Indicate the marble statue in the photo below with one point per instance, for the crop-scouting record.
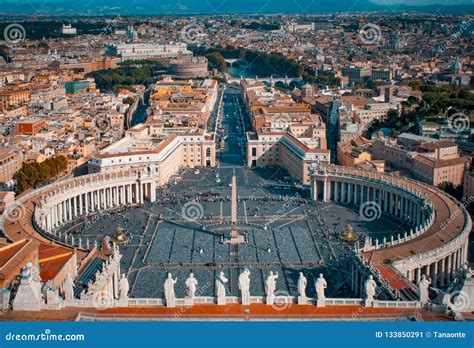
(302, 282)
(424, 285)
(220, 288)
(106, 245)
(320, 285)
(370, 287)
(170, 295)
(29, 296)
(270, 287)
(244, 286)
(124, 287)
(68, 287)
(191, 286)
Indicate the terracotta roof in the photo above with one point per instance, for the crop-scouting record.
(10, 250)
(236, 311)
(395, 281)
(51, 266)
(437, 145)
(439, 163)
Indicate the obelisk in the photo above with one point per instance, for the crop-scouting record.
(234, 235)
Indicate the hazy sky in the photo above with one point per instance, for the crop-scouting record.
(126, 7)
(382, 2)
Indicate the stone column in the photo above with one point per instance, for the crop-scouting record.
(86, 201)
(410, 211)
(402, 207)
(69, 209)
(61, 216)
(459, 263)
(136, 193)
(102, 199)
(116, 196)
(56, 215)
(349, 195)
(453, 265)
(314, 185)
(48, 221)
(80, 204)
(153, 192)
(53, 217)
(343, 192)
(435, 275)
(325, 190)
(463, 254)
(74, 206)
(418, 215)
(448, 270)
(397, 205)
(92, 199)
(443, 272)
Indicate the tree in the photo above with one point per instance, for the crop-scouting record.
(34, 175)
(455, 191)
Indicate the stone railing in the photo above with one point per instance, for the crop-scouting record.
(279, 301)
(446, 249)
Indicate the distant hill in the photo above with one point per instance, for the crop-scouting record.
(186, 7)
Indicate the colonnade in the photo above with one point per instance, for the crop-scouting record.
(441, 271)
(392, 201)
(91, 194)
(406, 200)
